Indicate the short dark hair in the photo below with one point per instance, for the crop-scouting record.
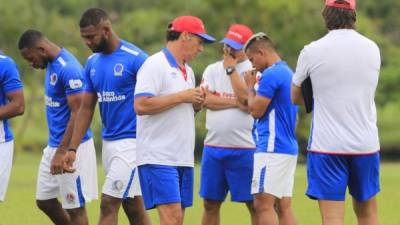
(29, 39)
(172, 35)
(257, 42)
(93, 16)
(339, 18)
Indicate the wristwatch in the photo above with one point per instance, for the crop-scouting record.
(229, 70)
(72, 150)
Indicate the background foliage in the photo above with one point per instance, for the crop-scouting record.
(291, 23)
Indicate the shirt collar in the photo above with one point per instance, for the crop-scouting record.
(170, 58)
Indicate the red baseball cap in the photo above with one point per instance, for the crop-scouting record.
(237, 36)
(192, 25)
(334, 3)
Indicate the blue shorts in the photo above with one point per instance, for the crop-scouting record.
(224, 170)
(329, 175)
(166, 184)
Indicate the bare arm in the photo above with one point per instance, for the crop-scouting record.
(217, 103)
(257, 105)
(156, 104)
(15, 106)
(83, 119)
(297, 95)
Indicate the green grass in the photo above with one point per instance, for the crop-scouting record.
(19, 207)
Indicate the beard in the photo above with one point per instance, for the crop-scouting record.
(101, 46)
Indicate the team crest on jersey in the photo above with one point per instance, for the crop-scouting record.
(174, 74)
(117, 185)
(118, 69)
(53, 79)
(70, 198)
(92, 72)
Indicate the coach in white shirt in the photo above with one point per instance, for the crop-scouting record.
(343, 148)
(166, 100)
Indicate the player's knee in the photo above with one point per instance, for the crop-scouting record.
(261, 206)
(284, 207)
(211, 206)
(108, 206)
(44, 205)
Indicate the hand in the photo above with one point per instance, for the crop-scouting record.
(229, 57)
(242, 107)
(68, 163)
(193, 95)
(56, 166)
(250, 78)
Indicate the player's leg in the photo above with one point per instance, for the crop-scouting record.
(265, 209)
(211, 214)
(121, 179)
(134, 209)
(239, 171)
(47, 191)
(213, 184)
(284, 205)
(327, 182)
(364, 186)
(169, 189)
(285, 211)
(6, 157)
(79, 188)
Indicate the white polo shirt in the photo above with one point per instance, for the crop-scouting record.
(344, 69)
(229, 128)
(165, 138)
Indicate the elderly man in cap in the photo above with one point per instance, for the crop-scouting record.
(343, 149)
(166, 100)
(227, 163)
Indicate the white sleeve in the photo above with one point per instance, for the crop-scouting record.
(208, 81)
(149, 81)
(302, 68)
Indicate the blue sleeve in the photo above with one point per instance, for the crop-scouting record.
(138, 62)
(269, 83)
(9, 76)
(72, 76)
(88, 87)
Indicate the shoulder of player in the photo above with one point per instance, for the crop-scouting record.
(131, 49)
(213, 67)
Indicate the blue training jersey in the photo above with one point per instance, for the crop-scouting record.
(275, 130)
(9, 82)
(64, 77)
(113, 78)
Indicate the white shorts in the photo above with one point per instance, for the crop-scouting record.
(119, 161)
(74, 189)
(273, 173)
(6, 158)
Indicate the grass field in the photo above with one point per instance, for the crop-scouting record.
(20, 209)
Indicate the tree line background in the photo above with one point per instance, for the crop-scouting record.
(291, 24)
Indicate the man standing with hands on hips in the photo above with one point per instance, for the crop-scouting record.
(166, 100)
(343, 148)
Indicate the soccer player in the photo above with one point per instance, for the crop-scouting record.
(227, 163)
(63, 96)
(343, 149)
(110, 74)
(11, 105)
(166, 100)
(276, 154)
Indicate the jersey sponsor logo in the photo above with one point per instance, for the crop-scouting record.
(118, 69)
(50, 103)
(53, 79)
(109, 96)
(74, 84)
(92, 72)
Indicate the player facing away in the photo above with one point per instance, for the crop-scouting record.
(11, 105)
(166, 100)
(110, 76)
(227, 163)
(343, 149)
(63, 96)
(276, 154)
